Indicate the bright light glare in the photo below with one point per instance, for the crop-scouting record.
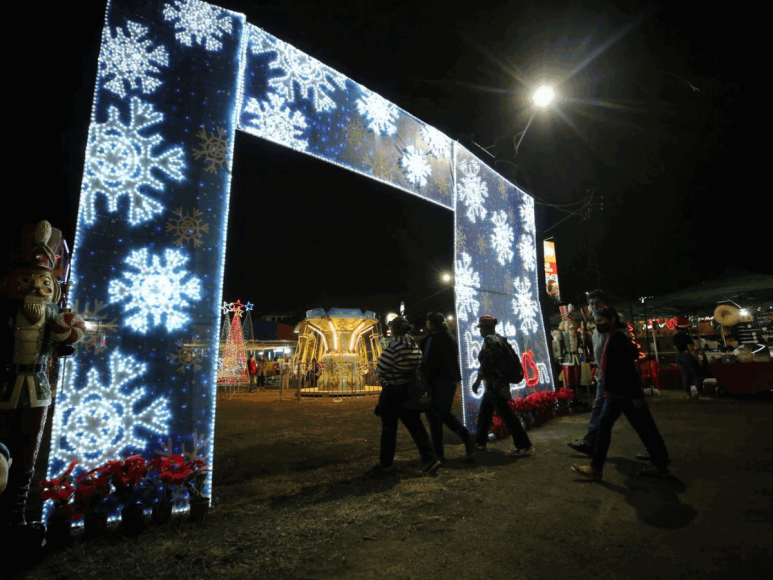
(446, 277)
(543, 96)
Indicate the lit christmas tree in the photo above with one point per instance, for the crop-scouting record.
(233, 361)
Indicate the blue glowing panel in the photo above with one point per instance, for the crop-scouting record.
(293, 99)
(150, 242)
(496, 273)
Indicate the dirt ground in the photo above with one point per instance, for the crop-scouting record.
(292, 500)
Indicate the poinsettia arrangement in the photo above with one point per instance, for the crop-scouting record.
(126, 477)
(91, 492)
(565, 394)
(60, 490)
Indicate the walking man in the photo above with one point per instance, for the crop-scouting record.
(441, 371)
(497, 393)
(396, 367)
(597, 299)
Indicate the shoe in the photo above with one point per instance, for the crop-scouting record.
(581, 447)
(480, 447)
(379, 469)
(588, 471)
(469, 445)
(655, 472)
(521, 452)
(643, 456)
(431, 467)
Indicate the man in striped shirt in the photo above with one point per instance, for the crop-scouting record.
(396, 367)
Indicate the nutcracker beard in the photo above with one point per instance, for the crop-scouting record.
(33, 309)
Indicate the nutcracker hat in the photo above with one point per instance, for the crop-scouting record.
(487, 320)
(567, 311)
(41, 247)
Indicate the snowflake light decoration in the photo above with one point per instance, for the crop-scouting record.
(415, 164)
(438, 144)
(213, 148)
(528, 251)
(383, 165)
(502, 237)
(380, 113)
(120, 160)
(473, 191)
(274, 121)
(153, 291)
(187, 227)
(130, 60)
(198, 22)
(313, 77)
(467, 283)
(527, 214)
(98, 422)
(524, 306)
(185, 357)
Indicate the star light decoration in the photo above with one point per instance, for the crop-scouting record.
(98, 422)
(473, 191)
(467, 282)
(130, 60)
(380, 113)
(274, 121)
(502, 238)
(198, 22)
(120, 161)
(312, 77)
(525, 306)
(155, 294)
(415, 164)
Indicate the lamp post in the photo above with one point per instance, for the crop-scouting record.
(542, 97)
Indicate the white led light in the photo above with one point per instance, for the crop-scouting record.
(416, 167)
(312, 76)
(273, 120)
(527, 214)
(154, 291)
(119, 161)
(98, 422)
(467, 282)
(502, 238)
(380, 113)
(525, 306)
(198, 22)
(128, 60)
(472, 190)
(527, 249)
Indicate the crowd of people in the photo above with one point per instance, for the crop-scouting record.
(406, 366)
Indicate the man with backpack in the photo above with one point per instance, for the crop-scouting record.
(499, 366)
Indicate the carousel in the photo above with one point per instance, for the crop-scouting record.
(337, 352)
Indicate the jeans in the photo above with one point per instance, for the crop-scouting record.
(252, 381)
(593, 425)
(691, 371)
(390, 408)
(443, 392)
(494, 402)
(642, 422)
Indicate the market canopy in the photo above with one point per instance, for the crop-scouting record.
(735, 285)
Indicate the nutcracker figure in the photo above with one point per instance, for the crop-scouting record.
(33, 326)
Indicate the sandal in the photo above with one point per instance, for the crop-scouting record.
(588, 471)
(521, 452)
(655, 472)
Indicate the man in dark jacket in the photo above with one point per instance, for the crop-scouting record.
(441, 371)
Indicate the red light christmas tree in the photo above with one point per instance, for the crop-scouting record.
(233, 362)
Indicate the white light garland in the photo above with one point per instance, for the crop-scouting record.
(127, 59)
(197, 22)
(416, 167)
(502, 238)
(472, 190)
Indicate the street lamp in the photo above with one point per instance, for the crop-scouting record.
(446, 277)
(543, 96)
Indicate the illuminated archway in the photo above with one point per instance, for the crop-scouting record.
(176, 80)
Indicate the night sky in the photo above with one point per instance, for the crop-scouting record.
(655, 119)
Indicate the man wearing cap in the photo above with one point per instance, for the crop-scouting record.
(687, 357)
(442, 373)
(497, 393)
(396, 367)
